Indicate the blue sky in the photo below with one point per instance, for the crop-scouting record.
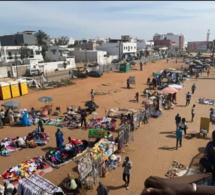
(91, 19)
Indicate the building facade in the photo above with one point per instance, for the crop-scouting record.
(11, 54)
(122, 49)
(176, 40)
(18, 39)
(59, 53)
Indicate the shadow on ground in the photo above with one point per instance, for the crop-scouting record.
(167, 148)
(115, 187)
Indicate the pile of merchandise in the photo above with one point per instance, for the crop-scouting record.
(60, 156)
(24, 169)
(7, 146)
(206, 101)
(104, 123)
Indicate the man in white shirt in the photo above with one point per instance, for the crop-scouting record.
(20, 141)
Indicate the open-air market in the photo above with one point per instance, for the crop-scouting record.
(106, 116)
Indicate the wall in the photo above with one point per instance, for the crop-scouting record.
(3, 72)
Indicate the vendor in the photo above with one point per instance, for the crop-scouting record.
(20, 142)
(9, 188)
(40, 127)
(72, 183)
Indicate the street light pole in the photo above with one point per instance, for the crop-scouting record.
(16, 66)
(212, 63)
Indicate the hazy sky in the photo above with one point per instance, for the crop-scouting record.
(91, 19)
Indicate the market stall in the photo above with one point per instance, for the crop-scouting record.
(104, 123)
(37, 185)
(99, 161)
(26, 168)
(60, 156)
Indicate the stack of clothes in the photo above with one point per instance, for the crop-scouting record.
(7, 146)
(103, 123)
(206, 101)
(60, 156)
(37, 138)
(24, 169)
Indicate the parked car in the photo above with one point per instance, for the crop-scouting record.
(30, 81)
(79, 74)
(33, 72)
(132, 63)
(115, 61)
(94, 73)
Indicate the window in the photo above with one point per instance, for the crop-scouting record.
(0, 54)
(124, 47)
(53, 51)
(37, 52)
(131, 47)
(9, 53)
(128, 48)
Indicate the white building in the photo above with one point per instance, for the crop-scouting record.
(93, 56)
(122, 49)
(58, 53)
(177, 40)
(8, 53)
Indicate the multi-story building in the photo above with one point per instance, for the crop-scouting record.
(59, 53)
(18, 39)
(169, 40)
(13, 53)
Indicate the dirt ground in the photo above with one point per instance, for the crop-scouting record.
(153, 147)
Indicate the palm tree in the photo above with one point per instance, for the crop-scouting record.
(42, 39)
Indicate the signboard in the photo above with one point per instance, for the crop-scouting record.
(97, 133)
(132, 80)
(205, 124)
(198, 46)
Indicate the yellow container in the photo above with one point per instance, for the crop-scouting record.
(5, 91)
(14, 88)
(23, 87)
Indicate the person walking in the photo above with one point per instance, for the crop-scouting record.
(193, 88)
(1, 122)
(176, 60)
(167, 60)
(70, 74)
(2, 113)
(183, 125)
(179, 133)
(128, 84)
(102, 190)
(92, 95)
(188, 98)
(83, 118)
(59, 138)
(137, 97)
(177, 120)
(127, 164)
(148, 80)
(141, 66)
(208, 73)
(193, 112)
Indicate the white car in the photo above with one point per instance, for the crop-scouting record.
(30, 81)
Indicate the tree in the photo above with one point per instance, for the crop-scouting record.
(24, 52)
(42, 39)
(64, 40)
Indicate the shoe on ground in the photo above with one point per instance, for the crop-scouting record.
(127, 187)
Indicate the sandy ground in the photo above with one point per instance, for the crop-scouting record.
(153, 148)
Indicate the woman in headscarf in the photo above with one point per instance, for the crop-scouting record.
(59, 138)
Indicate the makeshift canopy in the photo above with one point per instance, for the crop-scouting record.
(11, 104)
(178, 87)
(45, 99)
(169, 90)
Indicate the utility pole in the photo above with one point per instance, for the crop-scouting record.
(16, 66)
(119, 51)
(212, 63)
